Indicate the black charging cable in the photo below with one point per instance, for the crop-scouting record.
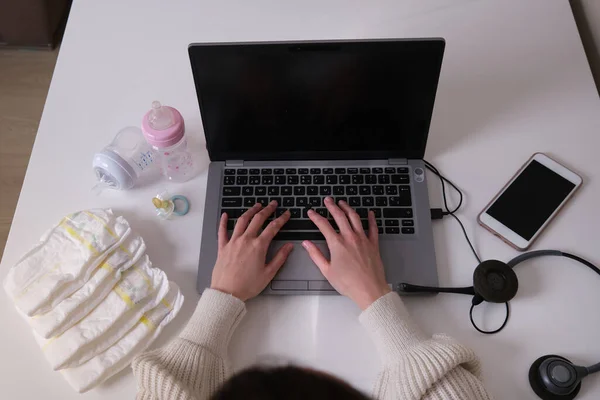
(439, 213)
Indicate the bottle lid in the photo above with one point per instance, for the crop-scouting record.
(162, 126)
(113, 171)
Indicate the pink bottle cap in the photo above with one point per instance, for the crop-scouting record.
(162, 126)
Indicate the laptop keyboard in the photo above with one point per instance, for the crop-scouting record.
(385, 190)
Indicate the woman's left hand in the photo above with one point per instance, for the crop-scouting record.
(241, 268)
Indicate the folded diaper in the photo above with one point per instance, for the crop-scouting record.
(64, 259)
(140, 289)
(136, 340)
(72, 309)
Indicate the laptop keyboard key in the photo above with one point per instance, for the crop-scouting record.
(288, 202)
(299, 225)
(286, 190)
(229, 180)
(231, 191)
(338, 190)
(319, 180)
(242, 171)
(260, 190)
(248, 191)
(381, 201)
(338, 199)
(397, 213)
(315, 171)
(402, 170)
(278, 171)
(267, 180)
(392, 231)
(292, 180)
(364, 190)
(312, 190)
(241, 180)
(377, 212)
(233, 212)
(303, 171)
(255, 171)
(357, 179)
(377, 170)
(371, 179)
(340, 171)
(230, 224)
(328, 170)
(378, 190)
(229, 171)
(322, 212)
(231, 202)
(295, 213)
(263, 201)
(254, 180)
(380, 230)
(408, 222)
(314, 201)
(331, 180)
(301, 201)
(368, 201)
(390, 170)
(362, 212)
(290, 171)
(306, 179)
(383, 179)
(299, 190)
(352, 190)
(273, 191)
(279, 180)
(400, 179)
(353, 170)
(365, 170)
(344, 179)
(391, 190)
(392, 222)
(249, 201)
(408, 231)
(277, 199)
(325, 190)
(354, 201)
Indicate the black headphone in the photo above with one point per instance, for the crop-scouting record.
(551, 377)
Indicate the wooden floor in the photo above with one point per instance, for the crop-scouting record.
(24, 80)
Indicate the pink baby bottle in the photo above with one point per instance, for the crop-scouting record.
(164, 129)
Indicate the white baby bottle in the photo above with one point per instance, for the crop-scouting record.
(120, 164)
(164, 129)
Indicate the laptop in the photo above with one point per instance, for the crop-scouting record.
(299, 121)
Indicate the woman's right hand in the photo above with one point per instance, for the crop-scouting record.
(355, 269)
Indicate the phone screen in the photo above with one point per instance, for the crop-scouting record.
(530, 199)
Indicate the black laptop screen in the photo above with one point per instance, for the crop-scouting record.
(336, 100)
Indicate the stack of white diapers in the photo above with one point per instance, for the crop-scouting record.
(92, 297)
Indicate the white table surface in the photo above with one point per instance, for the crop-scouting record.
(514, 81)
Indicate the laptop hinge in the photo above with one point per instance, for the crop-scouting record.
(234, 163)
(397, 161)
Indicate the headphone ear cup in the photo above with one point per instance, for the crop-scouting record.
(495, 281)
(537, 384)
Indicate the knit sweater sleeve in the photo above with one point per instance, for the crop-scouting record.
(194, 365)
(415, 366)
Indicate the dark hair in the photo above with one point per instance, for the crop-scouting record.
(291, 383)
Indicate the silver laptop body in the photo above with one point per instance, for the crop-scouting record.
(300, 121)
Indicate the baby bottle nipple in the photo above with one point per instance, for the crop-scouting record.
(160, 118)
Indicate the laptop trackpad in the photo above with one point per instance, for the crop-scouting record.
(298, 266)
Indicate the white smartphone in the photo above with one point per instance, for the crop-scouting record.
(529, 201)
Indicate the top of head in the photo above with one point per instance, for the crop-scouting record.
(495, 281)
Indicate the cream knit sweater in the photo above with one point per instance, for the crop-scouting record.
(194, 365)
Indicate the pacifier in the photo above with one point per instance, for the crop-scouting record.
(166, 205)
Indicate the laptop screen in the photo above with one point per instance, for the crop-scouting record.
(322, 100)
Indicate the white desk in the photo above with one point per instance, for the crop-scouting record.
(514, 81)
